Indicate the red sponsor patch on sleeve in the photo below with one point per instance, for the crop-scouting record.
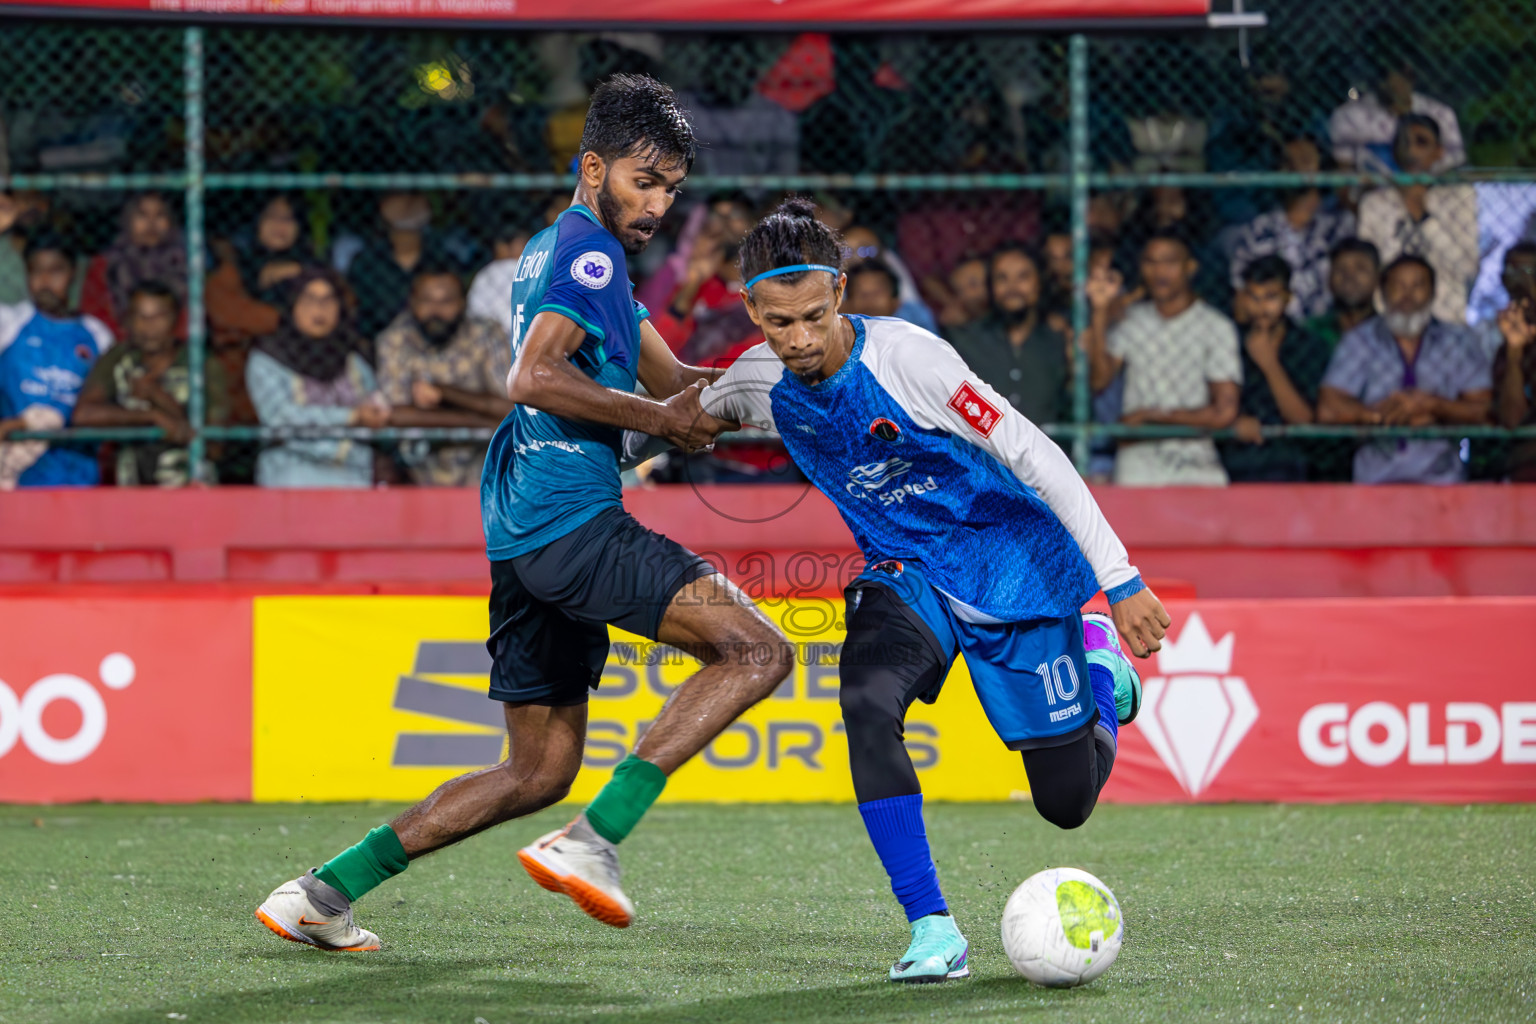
(981, 414)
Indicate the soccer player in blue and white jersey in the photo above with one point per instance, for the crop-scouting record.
(567, 559)
(45, 354)
(980, 539)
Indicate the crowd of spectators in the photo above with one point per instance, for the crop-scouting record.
(1229, 312)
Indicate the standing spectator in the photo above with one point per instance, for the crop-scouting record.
(1407, 368)
(20, 214)
(1514, 367)
(45, 353)
(490, 293)
(967, 297)
(1012, 348)
(863, 244)
(700, 314)
(1354, 274)
(1169, 209)
(1364, 129)
(440, 368)
(1437, 222)
(247, 289)
(1303, 230)
(1181, 367)
(144, 382)
(150, 247)
(311, 373)
(1283, 365)
(380, 275)
(873, 289)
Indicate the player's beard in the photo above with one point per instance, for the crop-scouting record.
(627, 234)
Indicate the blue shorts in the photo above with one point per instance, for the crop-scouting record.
(1031, 677)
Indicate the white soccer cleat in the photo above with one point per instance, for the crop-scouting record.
(586, 871)
(291, 915)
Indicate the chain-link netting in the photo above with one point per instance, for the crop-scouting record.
(1271, 177)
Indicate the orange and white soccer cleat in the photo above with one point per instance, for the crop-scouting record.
(585, 870)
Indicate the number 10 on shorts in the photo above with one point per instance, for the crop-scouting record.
(1058, 686)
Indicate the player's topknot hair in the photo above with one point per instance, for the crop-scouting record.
(632, 115)
(789, 235)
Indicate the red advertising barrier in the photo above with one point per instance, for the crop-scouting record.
(1331, 701)
(624, 12)
(125, 699)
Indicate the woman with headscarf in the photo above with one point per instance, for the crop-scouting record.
(247, 289)
(311, 372)
(149, 247)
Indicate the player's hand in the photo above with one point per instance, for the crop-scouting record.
(1142, 621)
(687, 425)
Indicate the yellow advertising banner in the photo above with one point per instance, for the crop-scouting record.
(382, 698)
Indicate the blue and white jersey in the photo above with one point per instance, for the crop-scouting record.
(927, 463)
(544, 476)
(44, 361)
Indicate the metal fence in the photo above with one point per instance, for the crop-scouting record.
(943, 144)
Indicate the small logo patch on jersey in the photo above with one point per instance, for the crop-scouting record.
(885, 430)
(976, 411)
(592, 270)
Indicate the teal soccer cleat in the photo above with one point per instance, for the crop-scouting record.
(938, 952)
(1101, 644)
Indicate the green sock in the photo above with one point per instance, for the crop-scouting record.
(365, 866)
(618, 808)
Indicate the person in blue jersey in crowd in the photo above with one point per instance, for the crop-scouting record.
(45, 353)
(567, 559)
(980, 538)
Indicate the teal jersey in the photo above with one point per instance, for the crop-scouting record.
(544, 475)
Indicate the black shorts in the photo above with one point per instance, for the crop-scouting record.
(550, 608)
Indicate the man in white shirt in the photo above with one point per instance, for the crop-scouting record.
(1182, 367)
(1437, 222)
(490, 294)
(1363, 129)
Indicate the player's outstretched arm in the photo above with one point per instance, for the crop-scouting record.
(661, 373)
(544, 379)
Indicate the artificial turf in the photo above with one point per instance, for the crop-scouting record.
(775, 913)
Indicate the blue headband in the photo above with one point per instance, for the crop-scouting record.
(793, 268)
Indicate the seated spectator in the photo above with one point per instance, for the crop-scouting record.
(438, 367)
(247, 290)
(873, 289)
(1303, 230)
(380, 275)
(1012, 348)
(1519, 279)
(1437, 222)
(144, 382)
(1514, 367)
(1354, 274)
(45, 353)
(1181, 367)
(1407, 368)
(1283, 365)
(966, 297)
(150, 247)
(311, 373)
(1364, 130)
(862, 244)
(490, 293)
(1167, 209)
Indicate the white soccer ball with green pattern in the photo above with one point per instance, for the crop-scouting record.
(1062, 927)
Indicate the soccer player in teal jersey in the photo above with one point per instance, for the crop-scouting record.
(980, 539)
(567, 559)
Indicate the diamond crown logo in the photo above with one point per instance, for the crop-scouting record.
(1196, 714)
(1193, 651)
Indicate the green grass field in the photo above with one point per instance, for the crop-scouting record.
(776, 913)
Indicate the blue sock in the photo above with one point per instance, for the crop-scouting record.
(1102, 681)
(895, 826)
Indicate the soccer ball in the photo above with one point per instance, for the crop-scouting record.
(1062, 927)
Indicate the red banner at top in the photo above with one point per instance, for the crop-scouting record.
(630, 12)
